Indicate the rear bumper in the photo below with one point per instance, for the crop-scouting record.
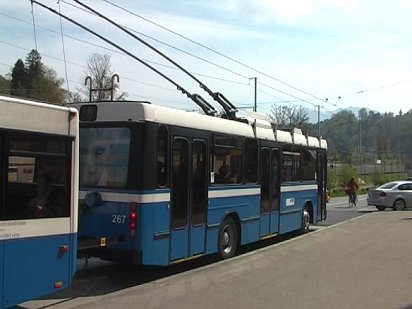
(375, 202)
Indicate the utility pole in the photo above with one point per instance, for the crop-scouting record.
(319, 121)
(255, 105)
(360, 147)
(360, 136)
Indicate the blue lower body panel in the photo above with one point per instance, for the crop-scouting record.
(34, 267)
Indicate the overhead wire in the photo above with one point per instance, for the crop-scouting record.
(213, 50)
(117, 51)
(166, 44)
(195, 56)
(206, 107)
(371, 89)
(34, 26)
(84, 67)
(327, 100)
(172, 46)
(123, 77)
(64, 51)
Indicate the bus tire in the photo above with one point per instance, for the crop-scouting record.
(228, 239)
(305, 220)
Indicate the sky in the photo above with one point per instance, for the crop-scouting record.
(327, 54)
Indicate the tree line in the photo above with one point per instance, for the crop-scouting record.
(369, 137)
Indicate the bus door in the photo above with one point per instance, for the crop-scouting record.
(322, 181)
(188, 197)
(270, 191)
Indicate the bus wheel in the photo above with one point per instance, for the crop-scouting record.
(305, 220)
(227, 239)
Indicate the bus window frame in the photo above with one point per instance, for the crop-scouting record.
(7, 153)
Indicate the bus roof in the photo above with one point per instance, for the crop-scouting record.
(145, 111)
(21, 114)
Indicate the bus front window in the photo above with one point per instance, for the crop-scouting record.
(104, 156)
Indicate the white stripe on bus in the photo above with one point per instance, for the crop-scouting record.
(233, 192)
(128, 197)
(165, 197)
(15, 229)
(298, 188)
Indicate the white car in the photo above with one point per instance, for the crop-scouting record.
(395, 194)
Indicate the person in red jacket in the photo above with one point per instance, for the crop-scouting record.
(350, 190)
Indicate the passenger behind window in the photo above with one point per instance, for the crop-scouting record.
(226, 175)
(48, 201)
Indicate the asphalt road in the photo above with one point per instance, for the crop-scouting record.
(338, 210)
(362, 262)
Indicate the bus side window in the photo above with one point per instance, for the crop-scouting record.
(37, 184)
(227, 159)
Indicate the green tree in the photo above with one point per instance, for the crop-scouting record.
(35, 71)
(381, 136)
(19, 79)
(33, 79)
(48, 87)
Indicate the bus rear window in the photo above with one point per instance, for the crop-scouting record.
(104, 157)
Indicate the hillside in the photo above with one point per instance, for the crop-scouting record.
(368, 136)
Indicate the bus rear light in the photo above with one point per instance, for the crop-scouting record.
(132, 216)
(58, 284)
(132, 219)
(63, 249)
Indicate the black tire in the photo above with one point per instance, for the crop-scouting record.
(381, 208)
(228, 239)
(399, 204)
(305, 220)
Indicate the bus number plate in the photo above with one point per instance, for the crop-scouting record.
(118, 219)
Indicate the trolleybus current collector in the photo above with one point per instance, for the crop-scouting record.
(38, 199)
(160, 185)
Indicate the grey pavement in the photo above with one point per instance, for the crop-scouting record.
(364, 262)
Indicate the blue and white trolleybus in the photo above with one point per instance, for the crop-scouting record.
(159, 185)
(38, 199)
